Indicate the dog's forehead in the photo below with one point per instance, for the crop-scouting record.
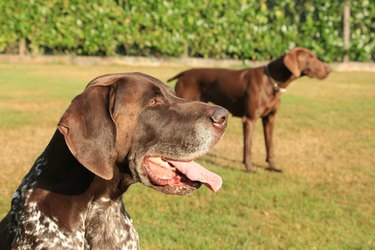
(154, 84)
(133, 77)
(166, 89)
(303, 50)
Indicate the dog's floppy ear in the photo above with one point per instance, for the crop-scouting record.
(89, 130)
(292, 62)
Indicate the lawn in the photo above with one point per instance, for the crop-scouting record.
(324, 141)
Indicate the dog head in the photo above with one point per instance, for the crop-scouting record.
(134, 121)
(301, 61)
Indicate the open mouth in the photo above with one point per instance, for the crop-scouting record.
(174, 173)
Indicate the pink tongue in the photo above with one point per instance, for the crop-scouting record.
(196, 172)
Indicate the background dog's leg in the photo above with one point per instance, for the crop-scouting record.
(248, 128)
(268, 122)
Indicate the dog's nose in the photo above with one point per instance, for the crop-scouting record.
(219, 116)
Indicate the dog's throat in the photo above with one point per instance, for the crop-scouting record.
(277, 87)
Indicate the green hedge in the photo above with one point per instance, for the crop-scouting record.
(243, 29)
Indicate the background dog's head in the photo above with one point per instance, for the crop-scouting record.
(301, 61)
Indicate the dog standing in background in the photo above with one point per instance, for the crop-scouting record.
(251, 93)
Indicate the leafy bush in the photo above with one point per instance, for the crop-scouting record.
(243, 29)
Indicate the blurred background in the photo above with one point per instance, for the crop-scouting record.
(324, 135)
(256, 30)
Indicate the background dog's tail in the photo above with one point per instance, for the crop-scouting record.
(175, 77)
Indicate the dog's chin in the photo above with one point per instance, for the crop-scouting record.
(324, 76)
(176, 190)
(320, 75)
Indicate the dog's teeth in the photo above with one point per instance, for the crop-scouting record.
(158, 160)
(171, 167)
(162, 163)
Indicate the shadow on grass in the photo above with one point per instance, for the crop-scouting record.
(212, 159)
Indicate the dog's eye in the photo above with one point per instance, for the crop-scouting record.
(155, 101)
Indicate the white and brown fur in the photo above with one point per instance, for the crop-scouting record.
(72, 196)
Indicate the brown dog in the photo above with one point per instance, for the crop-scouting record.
(252, 92)
(123, 128)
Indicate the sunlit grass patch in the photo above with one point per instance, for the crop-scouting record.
(324, 140)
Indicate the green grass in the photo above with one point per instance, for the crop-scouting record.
(324, 139)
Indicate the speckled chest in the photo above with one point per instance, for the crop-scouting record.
(103, 225)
